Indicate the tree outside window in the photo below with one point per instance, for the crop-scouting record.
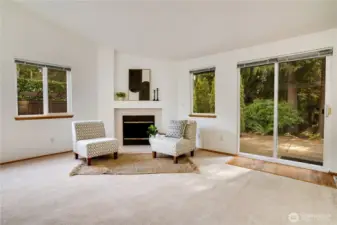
(204, 92)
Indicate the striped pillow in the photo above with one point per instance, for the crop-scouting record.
(176, 128)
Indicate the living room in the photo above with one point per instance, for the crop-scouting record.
(97, 44)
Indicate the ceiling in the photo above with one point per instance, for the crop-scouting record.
(186, 29)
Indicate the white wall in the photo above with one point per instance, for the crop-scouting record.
(221, 133)
(105, 88)
(26, 35)
(98, 73)
(163, 76)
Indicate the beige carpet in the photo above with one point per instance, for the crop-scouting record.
(140, 163)
(41, 192)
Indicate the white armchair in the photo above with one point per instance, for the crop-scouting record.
(176, 146)
(89, 140)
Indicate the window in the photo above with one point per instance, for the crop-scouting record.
(42, 89)
(57, 91)
(203, 91)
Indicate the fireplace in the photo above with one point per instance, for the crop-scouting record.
(135, 129)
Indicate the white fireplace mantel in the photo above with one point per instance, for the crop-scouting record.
(137, 104)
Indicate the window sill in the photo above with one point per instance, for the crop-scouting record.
(203, 115)
(44, 117)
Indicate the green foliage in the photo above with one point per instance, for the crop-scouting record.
(120, 94)
(32, 85)
(310, 135)
(301, 86)
(258, 82)
(29, 71)
(204, 93)
(152, 130)
(242, 108)
(259, 116)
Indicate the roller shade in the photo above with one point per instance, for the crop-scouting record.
(204, 70)
(288, 58)
(39, 64)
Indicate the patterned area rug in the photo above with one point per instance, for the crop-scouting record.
(141, 163)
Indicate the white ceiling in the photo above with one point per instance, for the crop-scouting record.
(186, 28)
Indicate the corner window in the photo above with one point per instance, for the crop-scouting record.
(42, 89)
(203, 85)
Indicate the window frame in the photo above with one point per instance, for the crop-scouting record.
(46, 114)
(194, 114)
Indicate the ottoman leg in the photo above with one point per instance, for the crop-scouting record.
(115, 155)
(192, 153)
(88, 161)
(175, 159)
(76, 155)
(154, 154)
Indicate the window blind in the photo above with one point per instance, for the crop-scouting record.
(287, 58)
(39, 64)
(204, 70)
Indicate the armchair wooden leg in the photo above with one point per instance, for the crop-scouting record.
(115, 155)
(192, 153)
(88, 161)
(154, 154)
(76, 155)
(175, 159)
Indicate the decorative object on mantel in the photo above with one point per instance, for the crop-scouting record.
(120, 96)
(157, 94)
(156, 91)
(139, 84)
(154, 95)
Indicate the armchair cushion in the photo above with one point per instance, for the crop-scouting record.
(176, 128)
(170, 146)
(96, 147)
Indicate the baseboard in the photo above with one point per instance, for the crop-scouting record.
(333, 173)
(36, 157)
(214, 151)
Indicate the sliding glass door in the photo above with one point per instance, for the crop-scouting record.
(282, 109)
(301, 110)
(257, 110)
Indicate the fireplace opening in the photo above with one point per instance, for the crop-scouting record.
(135, 129)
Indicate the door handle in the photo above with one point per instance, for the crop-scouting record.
(328, 110)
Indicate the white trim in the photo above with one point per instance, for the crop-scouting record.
(45, 90)
(303, 55)
(327, 147)
(276, 90)
(16, 88)
(191, 96)
(45, 93)
(40, 64)
(69, 93)
(284, 162)
(238, 108)
(191, 92)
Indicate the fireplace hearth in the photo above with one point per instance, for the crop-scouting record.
(135, 129)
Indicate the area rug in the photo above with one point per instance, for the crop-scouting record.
(141, 163)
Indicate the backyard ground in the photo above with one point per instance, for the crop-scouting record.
(289, 146)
